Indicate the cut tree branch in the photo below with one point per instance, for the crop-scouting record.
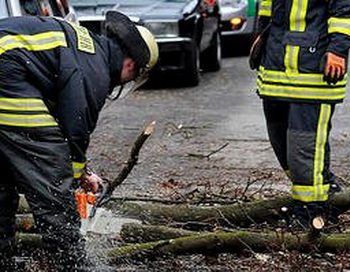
(232, 242)
(240, 214)
(134, 155)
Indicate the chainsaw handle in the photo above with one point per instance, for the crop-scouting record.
(104, 196)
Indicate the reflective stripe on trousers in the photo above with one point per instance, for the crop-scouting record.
(299, 133)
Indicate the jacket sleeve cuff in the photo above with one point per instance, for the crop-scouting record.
(339, 33)
(78, 168)
(339, 25)
(265, 7)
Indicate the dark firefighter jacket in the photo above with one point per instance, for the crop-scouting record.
(54, 73)
(301, 32)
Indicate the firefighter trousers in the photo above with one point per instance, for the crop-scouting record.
(299, 135)
(36, 162)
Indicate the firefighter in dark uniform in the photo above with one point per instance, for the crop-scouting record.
(301, 77)
(54, 79)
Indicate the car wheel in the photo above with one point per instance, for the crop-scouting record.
(192, 70)
(211, 57)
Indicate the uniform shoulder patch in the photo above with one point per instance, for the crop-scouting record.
(84, 40)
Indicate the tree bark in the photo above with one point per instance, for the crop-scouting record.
(30, 240)
(140, 233)
(232, 242)
(23, 206)
(239, 214)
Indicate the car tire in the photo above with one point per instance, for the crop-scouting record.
(192, 70)
(211, 57)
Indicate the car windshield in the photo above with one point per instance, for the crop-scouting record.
(3, 10)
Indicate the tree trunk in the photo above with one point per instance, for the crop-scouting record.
(29, 240)
(241, 214)
(232, 242)
(139, 233)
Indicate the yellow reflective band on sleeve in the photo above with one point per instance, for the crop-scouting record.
(85, 42)
(265, 8)
(320, 146)
(310, 193)
(27, 120)
(339, 25)
(37, 42)
(78, 168)
(22, 104)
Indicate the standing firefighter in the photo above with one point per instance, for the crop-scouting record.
(302, 76)
(54, 79)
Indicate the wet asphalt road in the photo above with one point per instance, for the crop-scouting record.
(192, 122)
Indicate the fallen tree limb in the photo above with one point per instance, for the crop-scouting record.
(237, 214)
(140, 233)
(29, 240)
(23, 206)
(232, 242)
(134, 154)
(25, 223)
(240, 214)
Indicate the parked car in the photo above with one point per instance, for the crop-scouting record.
(187, 31)
(59, 8)
(238, 17)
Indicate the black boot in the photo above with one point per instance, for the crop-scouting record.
(310, 216)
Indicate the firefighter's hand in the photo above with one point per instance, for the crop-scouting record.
(334, 70)
(91, 182)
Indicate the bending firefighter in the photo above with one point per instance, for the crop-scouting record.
(54, 79)
(301, 77)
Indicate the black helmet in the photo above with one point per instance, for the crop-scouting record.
(137, 40)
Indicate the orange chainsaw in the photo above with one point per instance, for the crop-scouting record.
(92, 194)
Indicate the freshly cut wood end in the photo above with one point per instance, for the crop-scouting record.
(318, 223)
(150, 128)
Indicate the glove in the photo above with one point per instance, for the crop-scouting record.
(90, 189)
(334, 69)
(90, 182)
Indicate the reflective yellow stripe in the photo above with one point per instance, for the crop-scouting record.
(78, 168)
(291, 59)
(311, 86)
(295, 78)
(297, 23)
(309, 193)
(265, 8)
(85, 42)
(22, 104)
(339, 25)
(321, 140)
(27, 120)
(37, 42)
(297, 92)
(298, 15)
